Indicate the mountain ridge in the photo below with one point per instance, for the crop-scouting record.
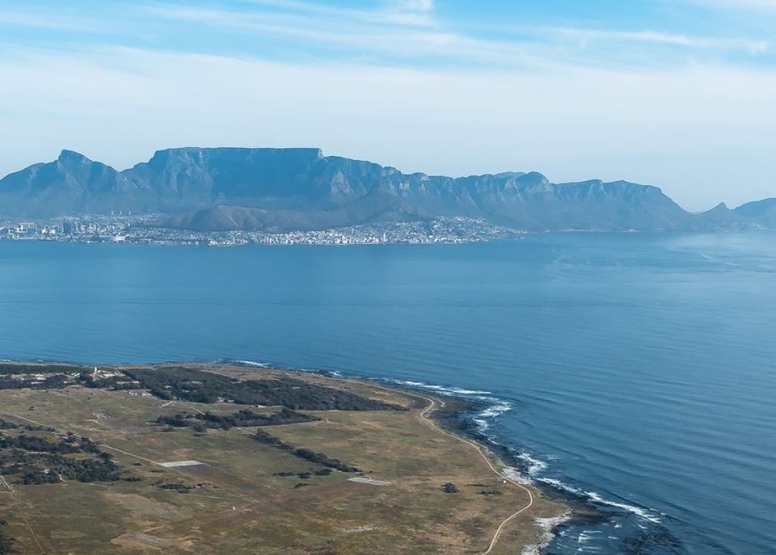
(271, 189)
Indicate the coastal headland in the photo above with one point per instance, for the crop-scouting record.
(204, 458)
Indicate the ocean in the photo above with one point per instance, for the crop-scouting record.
(636, 372)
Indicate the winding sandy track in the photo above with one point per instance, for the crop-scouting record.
(494, 541)
(432, 403)
(21, 418)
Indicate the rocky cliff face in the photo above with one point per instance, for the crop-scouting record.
(283, 189)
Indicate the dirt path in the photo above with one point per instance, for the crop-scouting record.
(12, 492)
(22, 418)
(424, 415)
(432, 403)
(128, 454)
(8, 487)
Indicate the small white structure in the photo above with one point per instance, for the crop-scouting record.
(369, 481)
(179, 464)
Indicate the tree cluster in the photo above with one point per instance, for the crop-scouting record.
(27, 369)
(37, 460)
(6, 542)
(242, 419)
(21, 376)
(192, 384)
(67, 445)
(307, 454)
(57, 381)
(5, 425)
(490, 492)
(116, 383)
(450, 487)
(179, 487)
(36, 468)
(56, 376)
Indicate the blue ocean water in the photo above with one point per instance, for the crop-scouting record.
(638, 371)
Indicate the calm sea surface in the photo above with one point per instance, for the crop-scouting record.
(638, 371)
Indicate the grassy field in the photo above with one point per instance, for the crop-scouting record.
(238, 504)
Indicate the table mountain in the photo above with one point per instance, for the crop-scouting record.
(287, 189)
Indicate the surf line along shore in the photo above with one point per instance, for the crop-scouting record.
(425, 415)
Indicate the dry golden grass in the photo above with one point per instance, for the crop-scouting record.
(242, 507)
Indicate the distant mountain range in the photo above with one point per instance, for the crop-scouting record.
(221, 189)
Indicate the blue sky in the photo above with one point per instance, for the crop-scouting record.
(675, 93)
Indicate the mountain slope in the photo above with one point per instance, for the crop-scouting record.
(285, 189)
(66, 185)
(762, 213)
(371, 208)
(753, 215)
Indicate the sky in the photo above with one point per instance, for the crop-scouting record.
(680, 94)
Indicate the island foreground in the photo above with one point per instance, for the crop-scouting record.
(219, 459)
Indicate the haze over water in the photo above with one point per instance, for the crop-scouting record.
(640, 369)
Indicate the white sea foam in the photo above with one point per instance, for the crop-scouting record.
(493, 411)
(638, 511)
(253, 363)
(588, 535)
(495, 408)
(597, 498)
(584, 538)
(550, 523)
(533, 465)
(442, 390)
(456, 390)
(548, 526)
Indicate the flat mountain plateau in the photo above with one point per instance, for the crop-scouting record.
(224, 460)
(300, 189)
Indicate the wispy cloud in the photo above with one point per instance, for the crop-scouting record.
(417, 13)
(587, 36)
(740, 5)
(53, 21)
(406, 31)
(412, 12)
(691, 126)
(389, 32)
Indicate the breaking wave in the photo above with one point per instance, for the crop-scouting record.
(493, 409)
(253, 363)
(600, 500)
(442, 390)
(531, 468)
